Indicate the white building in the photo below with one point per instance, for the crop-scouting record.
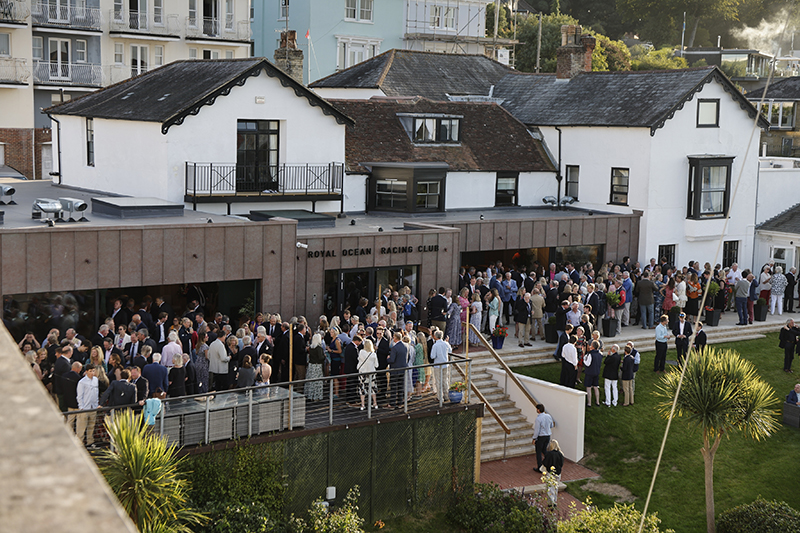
(210, 133)
(55, 51)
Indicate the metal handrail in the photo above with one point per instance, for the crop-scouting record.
(482, 398)
(509, 373)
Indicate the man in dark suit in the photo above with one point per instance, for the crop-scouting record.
(145, 340)
(350, 366)
(700, 339)
(247, 349)
(437, 309)
(299, 353)
(262, 345)
(281, 355)
(788, 294)
(61, 367)
(141, 384)
(120, 314)
(161, 306)
(398, 359)
(273, 328)
(682, 332)
(120, 392)
(109, 349)
(382, 348)
(157, 375)
(161, 331)
(102, 333)
(69, 386)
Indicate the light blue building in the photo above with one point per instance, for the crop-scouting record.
(346, 32)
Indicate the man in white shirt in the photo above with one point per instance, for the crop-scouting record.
(569, 363)
(218, 363)
(440, 355)
(172, 350)
(88, 398)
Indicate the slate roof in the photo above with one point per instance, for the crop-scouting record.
(785, 222)
(170, 93)
(632, 99)
(427, 74)
(786, 89)
(490, 138)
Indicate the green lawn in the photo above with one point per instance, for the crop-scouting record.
(622, 445)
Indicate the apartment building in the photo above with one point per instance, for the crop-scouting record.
(56, 50)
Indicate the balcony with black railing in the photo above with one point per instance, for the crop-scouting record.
(227, 183)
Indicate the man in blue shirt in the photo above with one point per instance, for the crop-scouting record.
(627, 286)
(662, 336)
(542, 430)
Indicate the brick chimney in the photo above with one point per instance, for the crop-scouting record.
(575, 54)
(288, 57)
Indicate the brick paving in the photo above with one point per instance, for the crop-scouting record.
(517, 472)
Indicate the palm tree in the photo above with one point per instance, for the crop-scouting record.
(143, 471)
(721, 393)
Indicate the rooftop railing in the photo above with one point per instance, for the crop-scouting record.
(14, 70)
(209, 179)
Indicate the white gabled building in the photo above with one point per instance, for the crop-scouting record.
(218, 134)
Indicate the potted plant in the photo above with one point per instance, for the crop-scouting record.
(610, 322)
(499, 334)
(712, 314)
(550, 332)
(456, 392)
(761, 310)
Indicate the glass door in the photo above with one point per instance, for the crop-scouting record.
(139, 58)
(137, 14)
(59, 11)
(257, 156)
(59, 59)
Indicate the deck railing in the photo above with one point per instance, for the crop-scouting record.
(68, 73)
(14, 70)
(210, 179)
(66, 15)
(143, 22)
(14, 11)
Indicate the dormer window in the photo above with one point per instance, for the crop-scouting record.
(436, 130)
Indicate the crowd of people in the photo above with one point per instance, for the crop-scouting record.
(149, 351)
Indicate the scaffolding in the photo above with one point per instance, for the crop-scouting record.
(450, 26)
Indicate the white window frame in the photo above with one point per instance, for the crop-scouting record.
(8, 41)
(80, 54)
(284, 10)
(158, 12)
(192, 53)
(158, 56)
(192, 14)
(38, 47)
(443, 17)
(347, 44)
(137, 52)
(229, 15)
(119, 10)
(119, 53)
(359, 11)
(229, 54)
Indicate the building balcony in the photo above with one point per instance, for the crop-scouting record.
(226, 183)
(77, 74)
(144, 23)
(14, 12)
(14, 71)
(66, 16)
(214, 28)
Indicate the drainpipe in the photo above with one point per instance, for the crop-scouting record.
(558, 172)
(58, 132)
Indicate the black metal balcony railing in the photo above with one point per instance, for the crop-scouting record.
(216, 179)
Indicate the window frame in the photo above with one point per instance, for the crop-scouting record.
(695, 190)
(730, 253)
(701, 101)
(119, 53)
(40, 47)
(573, 182)
(442, 18)
(404, 196)
(668, 251)
(8, 40)
(158, 12)
(229, 15)
(158, 55)
(435, 136)
(501, 199)
(90, 142)
(614, 192)
(79, 52)
(355, 11)
(192, 53)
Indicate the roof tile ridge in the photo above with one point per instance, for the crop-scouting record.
(775, 217)
(386, 68)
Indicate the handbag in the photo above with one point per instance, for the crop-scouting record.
(674, 297)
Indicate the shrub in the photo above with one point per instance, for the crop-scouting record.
(611, 520)
(761, 516)
(345, 519)
(761, 301)
(488, 509)
(238, 517)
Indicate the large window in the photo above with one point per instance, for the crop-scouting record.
(257, 155)
(619, 186)
(229, 15)
(709, 187)
(667, 252)
(730, 253)
(360, 10)
(90, 142)
(436, 130)
(428, 195)
(354, 50)
(443, 17)
(139, 59)
(506, 192)
(571, 184)
(391, 194)
(779, 114)
(708, 113)
(5, 44)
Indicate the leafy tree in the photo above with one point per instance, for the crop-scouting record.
(760, 516)
(721, 393)
(143, 472)
(504, 28)
(613, 520)
(664, 59)
(610, 55)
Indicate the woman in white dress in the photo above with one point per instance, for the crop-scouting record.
(367, 362)
(475, 316)
(680, 291)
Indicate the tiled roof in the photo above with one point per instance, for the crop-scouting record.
(427, 74)
(786, 89)
(634, 98)
(170, 93)
(490, 138)
(785, 222)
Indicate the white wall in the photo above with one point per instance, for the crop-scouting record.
(355, 193)
(130, 157)
(467, 190)
(533, 186)
(566, 406)
(773, 185)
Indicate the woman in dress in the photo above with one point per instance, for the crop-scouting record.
(335, 351)
(453, 328)
(201, 364)
(177, 379)
(475, 316)
(316, 356)
(421, 347)
(264, 372)
(764, 285)
(693, 294)
(121, 338)
(367, 362)
(247, 374)
(680, 291)
(494, 309)
(658, 295)
(670, 298)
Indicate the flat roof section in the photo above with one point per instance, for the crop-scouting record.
(128, 207)
(305, 219)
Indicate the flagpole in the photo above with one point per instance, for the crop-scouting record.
(308, 60)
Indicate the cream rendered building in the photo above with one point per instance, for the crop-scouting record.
(61, 49)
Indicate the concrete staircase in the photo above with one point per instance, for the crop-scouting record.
(494, 442)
